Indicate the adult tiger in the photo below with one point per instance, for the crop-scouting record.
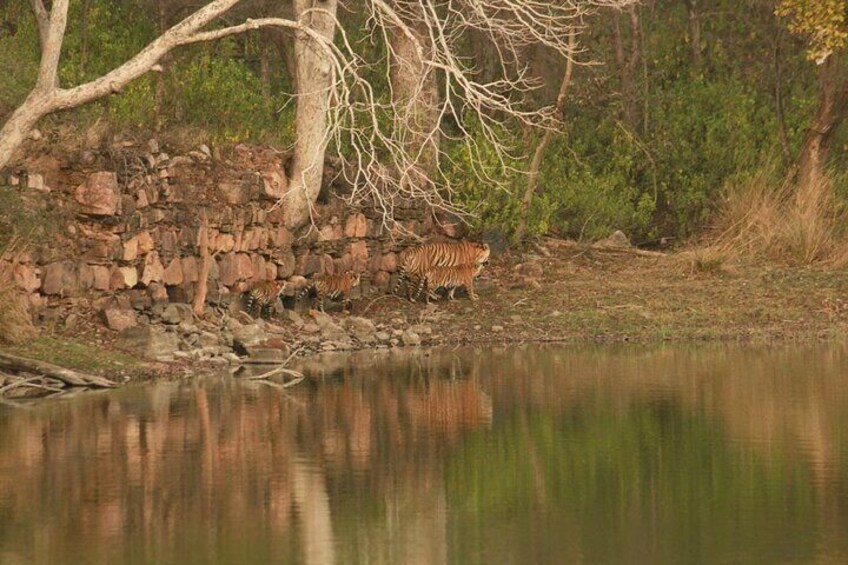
(263, 294)
(450, 278)
(416, 260)
(330, 286)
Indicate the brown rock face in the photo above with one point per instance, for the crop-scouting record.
(359, 255)
(356, 226)
(275, 184)
(27, 277)
(173, 274)
(99, 195)
(118, 319)
(153, 269)
(123, 277)
(234, 192)
(101, 277)
(191, 269)
(61, 278)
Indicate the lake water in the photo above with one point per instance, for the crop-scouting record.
(711, 454)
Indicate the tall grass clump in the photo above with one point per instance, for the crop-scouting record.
(763, 216)
(15, 318)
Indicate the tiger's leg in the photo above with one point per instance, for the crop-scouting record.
(471, 293)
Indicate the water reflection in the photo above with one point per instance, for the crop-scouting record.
(466, 456)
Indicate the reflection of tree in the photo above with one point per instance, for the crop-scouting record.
(547, 455)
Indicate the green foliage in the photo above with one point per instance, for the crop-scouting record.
(823, 22)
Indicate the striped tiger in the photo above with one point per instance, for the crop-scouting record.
(449, 278)
(331, 286)
(416, 260)
(263, 294)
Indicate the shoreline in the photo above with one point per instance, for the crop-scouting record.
(565, 294)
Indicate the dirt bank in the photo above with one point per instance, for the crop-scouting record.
(560, 292)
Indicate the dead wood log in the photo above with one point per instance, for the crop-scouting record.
(68, 376)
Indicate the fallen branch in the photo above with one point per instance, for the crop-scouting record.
(280, 369)
(29, 382)
(67, 376)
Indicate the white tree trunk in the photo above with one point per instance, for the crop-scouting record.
(314, 84)
(415, 96)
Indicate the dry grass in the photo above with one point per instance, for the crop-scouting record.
(15, 318)
(764, 218)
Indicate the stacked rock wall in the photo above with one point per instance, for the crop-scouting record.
(129, 225)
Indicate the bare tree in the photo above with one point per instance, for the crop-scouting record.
(337, 103)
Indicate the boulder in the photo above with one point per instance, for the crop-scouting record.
(150, 342)
(248, 335)
(153, 269)
(61, 278)
(99, 195)
(178, 314)
(118, 319)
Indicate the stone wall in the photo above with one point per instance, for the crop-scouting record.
(128, 223)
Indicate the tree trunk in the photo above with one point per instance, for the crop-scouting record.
(314, 79)
(46, 97)
(415, 96)
(626, 62)
(536, 163)
(265, 65)
(833, 98)
(694, 32)
(19, 125)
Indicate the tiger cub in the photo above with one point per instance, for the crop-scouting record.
(416, 260)
(449, 278)
(331, 286)
(263, 294)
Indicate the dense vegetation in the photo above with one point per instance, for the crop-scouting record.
(655, 127)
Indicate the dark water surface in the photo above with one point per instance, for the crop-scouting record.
(716, 454)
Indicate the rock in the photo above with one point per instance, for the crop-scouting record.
(173, 274)
(497, 329)
(247, 336)
(99, 195)
(311, 328)
(119, 319)
(153, 269)
(270, 355)
(235, 192)
(323, 320)
(356, 225)
(102, 277)
(359, 254)
(382, 281)
(275, 184)
(530, 269)
(293, 317)
(421, 329)
(36, 182)
(178, 314)
(123, 277)
(383, 336)
(411, 338)
(388, 262)
(27, 277)
(362, 329)
(617, 239)
(191, 269)
(208, 339)
(158, 294)
(61, 278)
(150, 342)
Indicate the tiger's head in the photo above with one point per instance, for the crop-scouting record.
(481, 253)
(352, 278)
